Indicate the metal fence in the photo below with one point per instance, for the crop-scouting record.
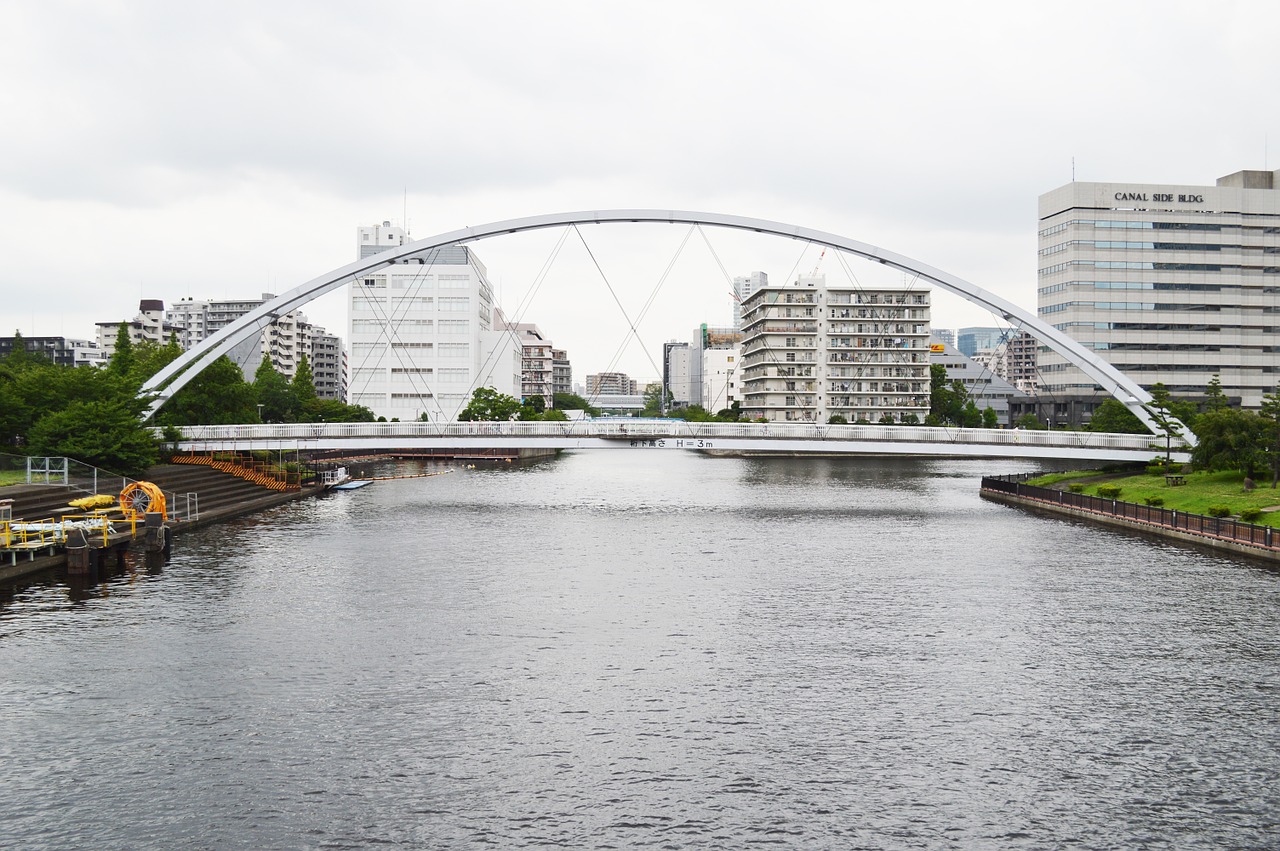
(1222, 528)
(64, 472)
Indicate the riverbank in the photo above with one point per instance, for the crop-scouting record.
(1222, 535)
(200, 497)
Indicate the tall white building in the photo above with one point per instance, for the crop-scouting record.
(743, 287)
(811, 352)
(679, 380)
(425, 332)
(1170, 283)
(720, 378)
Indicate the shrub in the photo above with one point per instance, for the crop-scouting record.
(1155, 501)
(1175, 468)
(1155, 470)
(1075, 487)
(1218, 511)
(1249, 515)
(1109, 491)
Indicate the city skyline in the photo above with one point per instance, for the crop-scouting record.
(218, 155)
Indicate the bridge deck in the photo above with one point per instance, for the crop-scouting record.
(622, 433)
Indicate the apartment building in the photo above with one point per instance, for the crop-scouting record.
(811, 352)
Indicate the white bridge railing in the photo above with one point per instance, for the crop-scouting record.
(399, 434)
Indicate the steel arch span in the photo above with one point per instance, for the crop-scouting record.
(173, 377)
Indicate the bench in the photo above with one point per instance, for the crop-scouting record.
(1174, 481)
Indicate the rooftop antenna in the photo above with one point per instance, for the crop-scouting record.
(1073, 169)
(404, 216)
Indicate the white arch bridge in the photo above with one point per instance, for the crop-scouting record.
(161, 387)
(658, 435)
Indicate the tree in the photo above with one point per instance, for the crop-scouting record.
(1114, 418)
(122, 360)
(1214, 398)
(107, 434)
(1161, 414)
(837, 419)
(970, 416)
(947, 402)
(731, 414)
(1230, 439)
(990, 419)
(333, 411)
(273, 393)
(487, 404)
(654, 401)
(1029, 421)
(303, 386)
(1270, 414)
(573, 402)
(217, 396)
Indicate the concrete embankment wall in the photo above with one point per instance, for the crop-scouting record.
(220, 497)
(1269, 555)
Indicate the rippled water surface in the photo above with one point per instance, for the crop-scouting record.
(650, 649)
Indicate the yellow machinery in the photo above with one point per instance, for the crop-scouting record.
(140, 497)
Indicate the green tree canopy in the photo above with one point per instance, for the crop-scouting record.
(1214, 398)
(107, 434)
(487, 404)
(273, 393)
(1230, 439)
(1113, 417)
(1030, 421)
(303, 385)
(573, 402)
(217, 396)
(122, 361)
(1270, 414)
(333, 411)
(947, 402)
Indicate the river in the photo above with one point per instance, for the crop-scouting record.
(624, 649)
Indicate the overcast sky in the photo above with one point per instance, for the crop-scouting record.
(167, 150)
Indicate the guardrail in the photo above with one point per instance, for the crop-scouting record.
(1221, 528)
(19, 534)
(625, 428)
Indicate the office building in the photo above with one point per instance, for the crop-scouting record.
(1171, 283)
(811, 352)
(970, 341)
(425, 332)
(984, 386)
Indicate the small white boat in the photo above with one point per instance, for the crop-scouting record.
(350, 484)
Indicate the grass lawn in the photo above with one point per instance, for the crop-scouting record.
(13, 477)
(1201, 491)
